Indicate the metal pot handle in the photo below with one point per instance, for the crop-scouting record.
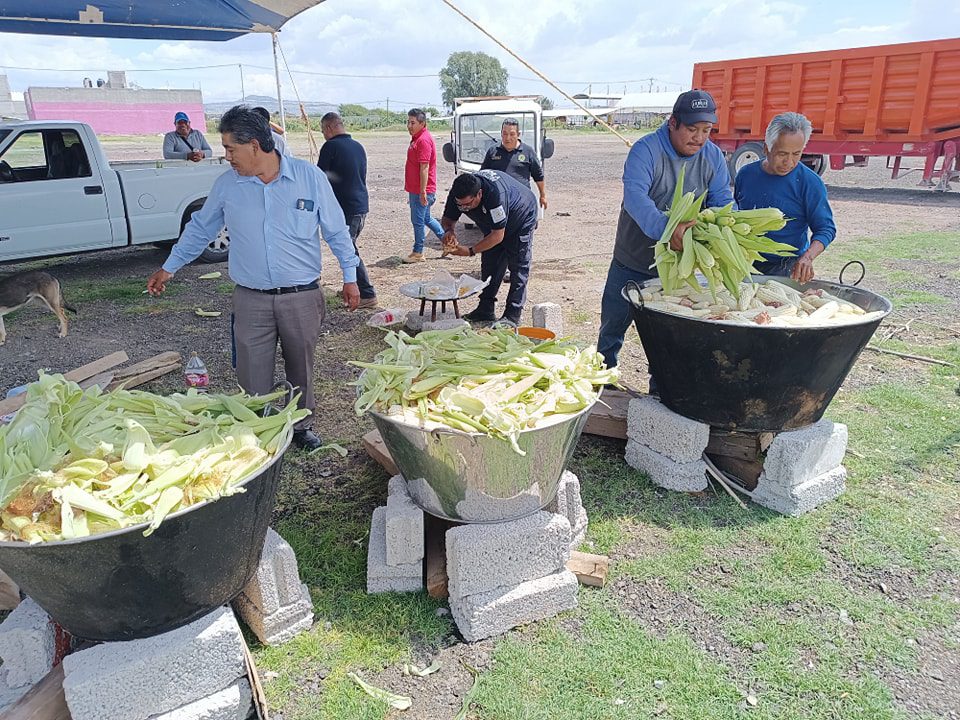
(634, 284)
(863, 272)
(437, 432)
(269, 408)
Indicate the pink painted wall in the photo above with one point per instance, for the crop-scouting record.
(119, 118)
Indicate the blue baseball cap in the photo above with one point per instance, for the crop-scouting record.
(695, 106)
(181, 116)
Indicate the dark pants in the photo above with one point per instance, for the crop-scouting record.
(259, 321)
(514, 253)
(781, 267)
(355, 224)
(615, 315)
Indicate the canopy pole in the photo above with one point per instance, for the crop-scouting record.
(276, 70)
(243, 92)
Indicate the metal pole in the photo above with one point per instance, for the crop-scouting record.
(243, 92)
(276, 70)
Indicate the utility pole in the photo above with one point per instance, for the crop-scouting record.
(388, 104)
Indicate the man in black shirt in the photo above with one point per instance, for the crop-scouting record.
(505, 210)
(516, 159)
(344, 161)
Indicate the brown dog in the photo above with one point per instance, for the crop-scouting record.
(20, 288)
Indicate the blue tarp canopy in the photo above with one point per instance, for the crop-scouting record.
(149, 19)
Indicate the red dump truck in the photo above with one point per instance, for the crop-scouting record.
(893, 101)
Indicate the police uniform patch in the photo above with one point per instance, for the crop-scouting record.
(521, 157)
(498, 214)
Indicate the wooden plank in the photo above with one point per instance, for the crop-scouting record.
(102, 380)
(44, 701)
(256, 686)
(76, 375)
(590, 569)
(435, 555)
(134, 381)
(9, 592)
(377, 449)
(152, 363)
(609, 420)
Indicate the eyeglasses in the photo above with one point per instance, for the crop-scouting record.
(463, 207)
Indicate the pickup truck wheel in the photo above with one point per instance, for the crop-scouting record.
(744, 155)
(218, 250)
(817, 163)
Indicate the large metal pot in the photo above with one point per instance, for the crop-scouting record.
(753, 378)
(121, 585)
(472, 477)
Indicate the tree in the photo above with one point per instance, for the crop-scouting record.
(545, 103)
(472, 74)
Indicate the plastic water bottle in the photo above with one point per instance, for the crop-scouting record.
(195, 373)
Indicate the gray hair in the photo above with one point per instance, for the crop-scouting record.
(331, 119)
(511, 121)
(246, 124)
(417, 113)
(789, 123)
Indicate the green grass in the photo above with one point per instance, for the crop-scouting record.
(580, 316)
(901, 296)
(116, 290)
(940, 247)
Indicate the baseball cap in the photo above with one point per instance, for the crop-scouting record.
(695, 106)
(181, 116)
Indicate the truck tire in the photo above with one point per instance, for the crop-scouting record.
(744, 155)
(817, 163)
(219, 248)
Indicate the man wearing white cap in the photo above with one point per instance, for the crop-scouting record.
(184, 143)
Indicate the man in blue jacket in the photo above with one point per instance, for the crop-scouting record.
(649, 178)
(780, 180)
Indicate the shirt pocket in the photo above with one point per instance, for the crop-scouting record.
(302, 223)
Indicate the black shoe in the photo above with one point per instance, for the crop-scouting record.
(512, 319)
(481, 314)
(306, 439)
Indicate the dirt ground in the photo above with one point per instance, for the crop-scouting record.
(572, 250)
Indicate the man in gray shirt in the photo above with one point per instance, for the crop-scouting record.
(183, 143)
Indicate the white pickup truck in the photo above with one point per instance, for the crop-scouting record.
(60, 195)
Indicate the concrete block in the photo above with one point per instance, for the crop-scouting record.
(404, 531)
(277, 580)
(397, 485)
(550, 316)
(279, 626)
(802, 498)
(797, 456)
(569, 503)
(678, 438)
(445, 324)
(490, 613)
(382, 577)
(667, 473)
(232, 703)
(27, 644)
(486, 557)
(136, 679)
(415, 322)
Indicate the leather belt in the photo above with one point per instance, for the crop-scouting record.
(286, 290)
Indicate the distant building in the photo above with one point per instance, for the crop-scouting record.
(113, 108)
(10, 107)
(637, 109)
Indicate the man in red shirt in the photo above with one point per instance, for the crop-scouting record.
(420, 182)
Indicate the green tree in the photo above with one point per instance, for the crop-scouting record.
(545, 102)
(472, 74)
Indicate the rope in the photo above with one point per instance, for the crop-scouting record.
(303, 113)
(535, 71)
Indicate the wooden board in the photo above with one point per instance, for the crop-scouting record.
(256, 686)
(44, 701)
(135, 380)
(76, 375)
(739, 454)
(435, 555)
(609, 421)
(590, 569)
(377, 449)
(144, 366)
(9, 592)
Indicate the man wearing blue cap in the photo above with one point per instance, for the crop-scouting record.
(649, 178)
(184, 143)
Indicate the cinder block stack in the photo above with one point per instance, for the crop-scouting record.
(395, 551)
(27, 647)
(275, 605)
(666, 446)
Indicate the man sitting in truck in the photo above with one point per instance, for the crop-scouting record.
(505, 210)
(183, 143)
(780, 180)
(516, 158)
(649, 178)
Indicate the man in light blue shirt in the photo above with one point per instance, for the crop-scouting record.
(273, 206)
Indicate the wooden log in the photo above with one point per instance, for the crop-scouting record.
(152, 363)
(76, 375)
(256, 686)
(590, 569)
(609, 420)
(44, 701)
(377, 450)
(135, 380)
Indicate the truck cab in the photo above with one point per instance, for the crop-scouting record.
(476, 128)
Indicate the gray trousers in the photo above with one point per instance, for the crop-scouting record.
(259, 321)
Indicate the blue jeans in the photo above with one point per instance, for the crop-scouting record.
(420, 216)
(615, 315)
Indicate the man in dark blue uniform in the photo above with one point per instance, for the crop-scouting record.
(505, 210)
(516, 159)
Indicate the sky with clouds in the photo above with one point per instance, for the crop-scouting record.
(611, 43)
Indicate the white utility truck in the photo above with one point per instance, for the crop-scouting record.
(60, 195)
